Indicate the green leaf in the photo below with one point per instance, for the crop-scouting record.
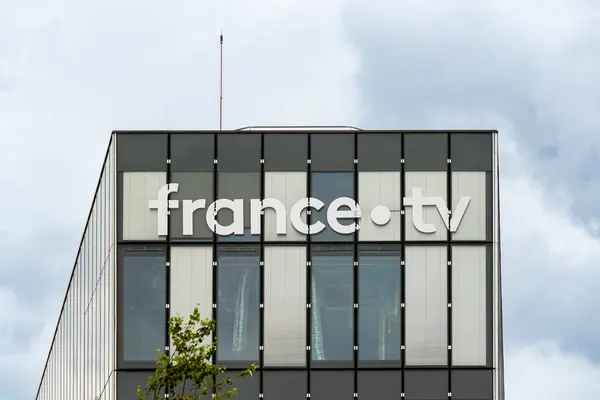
(189, 368)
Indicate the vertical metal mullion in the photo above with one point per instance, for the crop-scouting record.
(403, 263)
(215, 258)
(355, 269)
(168, 259)
(449, 262)
(261, 334)
(308, 269)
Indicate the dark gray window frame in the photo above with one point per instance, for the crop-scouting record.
(365, 249)
(122, 249)
(246, 249)
(350, 249)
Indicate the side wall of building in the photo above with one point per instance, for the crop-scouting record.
(81, 363)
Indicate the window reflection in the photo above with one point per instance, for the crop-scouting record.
(332, 305)
(379, 305)
(328, 186)
(143, 305)
(238, 305)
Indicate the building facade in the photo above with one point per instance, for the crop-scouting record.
(345, 263)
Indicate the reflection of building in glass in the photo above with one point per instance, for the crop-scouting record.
(385, 312)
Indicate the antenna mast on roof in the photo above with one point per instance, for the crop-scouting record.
(221, 87)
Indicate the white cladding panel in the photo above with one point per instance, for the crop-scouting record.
(426, 305)
(285, 306)
(379, 188)
(473, 185)
(287, 187)
(433, 184)
(191, 281)
(139, 221)
(469, 305)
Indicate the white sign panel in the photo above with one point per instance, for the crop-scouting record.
(342, 208)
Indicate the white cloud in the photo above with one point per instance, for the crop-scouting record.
(73, 72)
(545, 371)
(492, 65)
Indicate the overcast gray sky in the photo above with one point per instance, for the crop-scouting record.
(71, 71)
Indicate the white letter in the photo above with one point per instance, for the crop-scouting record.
(334, 213)
(297, 222)
(256, 206)
(236, 227)
(189, 207)
(161, 206)
(459, 213)
(417, 201)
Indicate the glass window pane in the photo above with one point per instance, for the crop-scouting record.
(332, 303)
(328, 186)
(143, 305)
(379, 305)
(238, 304)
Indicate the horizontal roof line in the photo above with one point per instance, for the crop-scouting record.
(307, 130)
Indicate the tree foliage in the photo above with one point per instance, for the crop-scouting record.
(187, 373)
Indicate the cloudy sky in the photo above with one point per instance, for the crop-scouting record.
(72, 71)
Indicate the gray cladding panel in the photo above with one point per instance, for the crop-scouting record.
(426, 385)
(192, 152)
(239, 152)
(287, 152)
(247, 387)
(128, 382)
(425, 152)
(471, 152)
(379, 152)
(377, 385)
(141, 152)
(332, 152)
(472, 384)
(331, 385)
(284, 385)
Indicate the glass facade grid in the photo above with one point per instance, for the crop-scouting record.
(359, 298)
(81, 360)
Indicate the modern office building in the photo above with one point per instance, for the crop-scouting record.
(350, 279)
